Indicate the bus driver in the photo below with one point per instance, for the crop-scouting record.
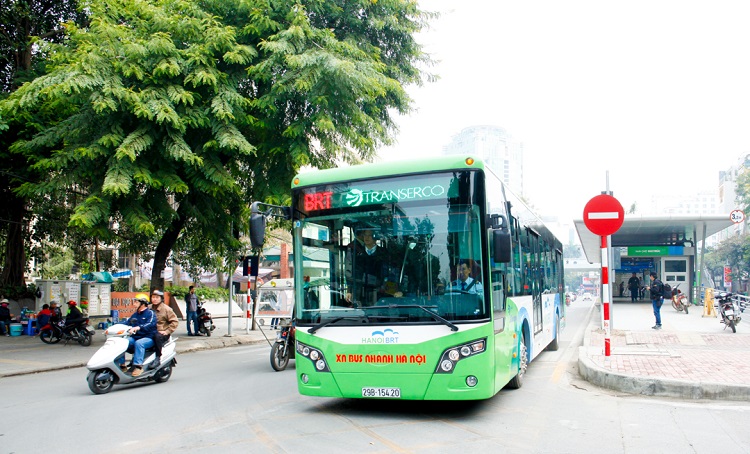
(465, 283)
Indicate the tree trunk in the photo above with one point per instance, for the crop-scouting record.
(176, 272)
(164, 248)
(15, 252)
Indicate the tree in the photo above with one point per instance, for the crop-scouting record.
(25, 27)
(735, 252)
(177, 113)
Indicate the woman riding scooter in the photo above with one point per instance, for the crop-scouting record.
(143, 328)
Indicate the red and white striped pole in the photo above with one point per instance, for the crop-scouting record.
(604, 215)
(605, 294)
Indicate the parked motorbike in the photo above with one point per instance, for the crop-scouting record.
(283, 348)
(679, 300)
(205, 321)
(729, 310)
(105, 372)
(54, 332)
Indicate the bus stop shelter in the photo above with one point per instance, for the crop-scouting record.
(664, 244)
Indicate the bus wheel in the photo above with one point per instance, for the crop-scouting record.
(555, 344)
(517, 381)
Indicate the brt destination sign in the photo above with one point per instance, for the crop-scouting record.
(359, 194)
(603, 215)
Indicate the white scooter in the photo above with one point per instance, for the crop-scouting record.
(105, 372)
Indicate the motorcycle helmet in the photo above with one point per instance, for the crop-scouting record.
(72, 303)
(142, 298)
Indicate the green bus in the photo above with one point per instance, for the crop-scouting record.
(421, 280)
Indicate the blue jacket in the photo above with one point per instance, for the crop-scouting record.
(146, 320)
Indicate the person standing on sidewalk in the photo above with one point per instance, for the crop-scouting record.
(656, 298)
(634, 285)
(191, 303)
(166, 323)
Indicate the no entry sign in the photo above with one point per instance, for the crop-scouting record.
(603, 215)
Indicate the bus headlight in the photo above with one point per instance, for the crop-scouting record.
(453, 355)
(314, 355)
(471, 381)
(446, 365)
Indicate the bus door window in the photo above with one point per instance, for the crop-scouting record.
(497, 279)
(536, 278)
(527, 267)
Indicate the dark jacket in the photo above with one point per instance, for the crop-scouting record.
(146, 320)
(363, 269)
(656, 289)
(74, 315)
(634, 283)
(4, 314)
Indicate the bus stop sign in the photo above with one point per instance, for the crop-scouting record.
(603, 215)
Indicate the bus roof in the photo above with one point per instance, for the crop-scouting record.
(381, 169)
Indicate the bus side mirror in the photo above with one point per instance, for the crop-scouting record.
(501, 246)
(257, 226)
(497, 221)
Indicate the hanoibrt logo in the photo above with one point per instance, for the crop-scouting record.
(387, 336)
(356, 197)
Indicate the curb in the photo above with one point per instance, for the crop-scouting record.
(217, 342)
(653, 386)
(660, 387)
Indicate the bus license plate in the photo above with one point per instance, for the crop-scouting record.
(391, 393)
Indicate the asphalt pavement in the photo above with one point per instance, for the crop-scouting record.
(691, 357)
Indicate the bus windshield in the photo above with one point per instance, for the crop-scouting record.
(401, 250)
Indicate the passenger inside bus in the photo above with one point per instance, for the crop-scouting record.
(367, 271)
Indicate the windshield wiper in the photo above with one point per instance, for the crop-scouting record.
(338, 319)
(417, 306)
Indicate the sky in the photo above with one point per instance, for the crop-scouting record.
(642, 96)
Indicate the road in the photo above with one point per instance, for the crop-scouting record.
(230, 400)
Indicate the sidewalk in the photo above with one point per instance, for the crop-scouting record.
(691, 357)
(20, 355)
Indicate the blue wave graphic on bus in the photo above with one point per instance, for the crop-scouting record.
(354, 197)
(385, 332)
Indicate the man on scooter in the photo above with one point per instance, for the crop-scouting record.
(166, 323)
(74, 316)
(143, 328)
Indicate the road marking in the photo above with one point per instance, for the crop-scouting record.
(572, 348)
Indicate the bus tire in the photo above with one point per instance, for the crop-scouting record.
(523, 362)
(555, 344)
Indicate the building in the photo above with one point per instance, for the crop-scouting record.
(496, 147)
